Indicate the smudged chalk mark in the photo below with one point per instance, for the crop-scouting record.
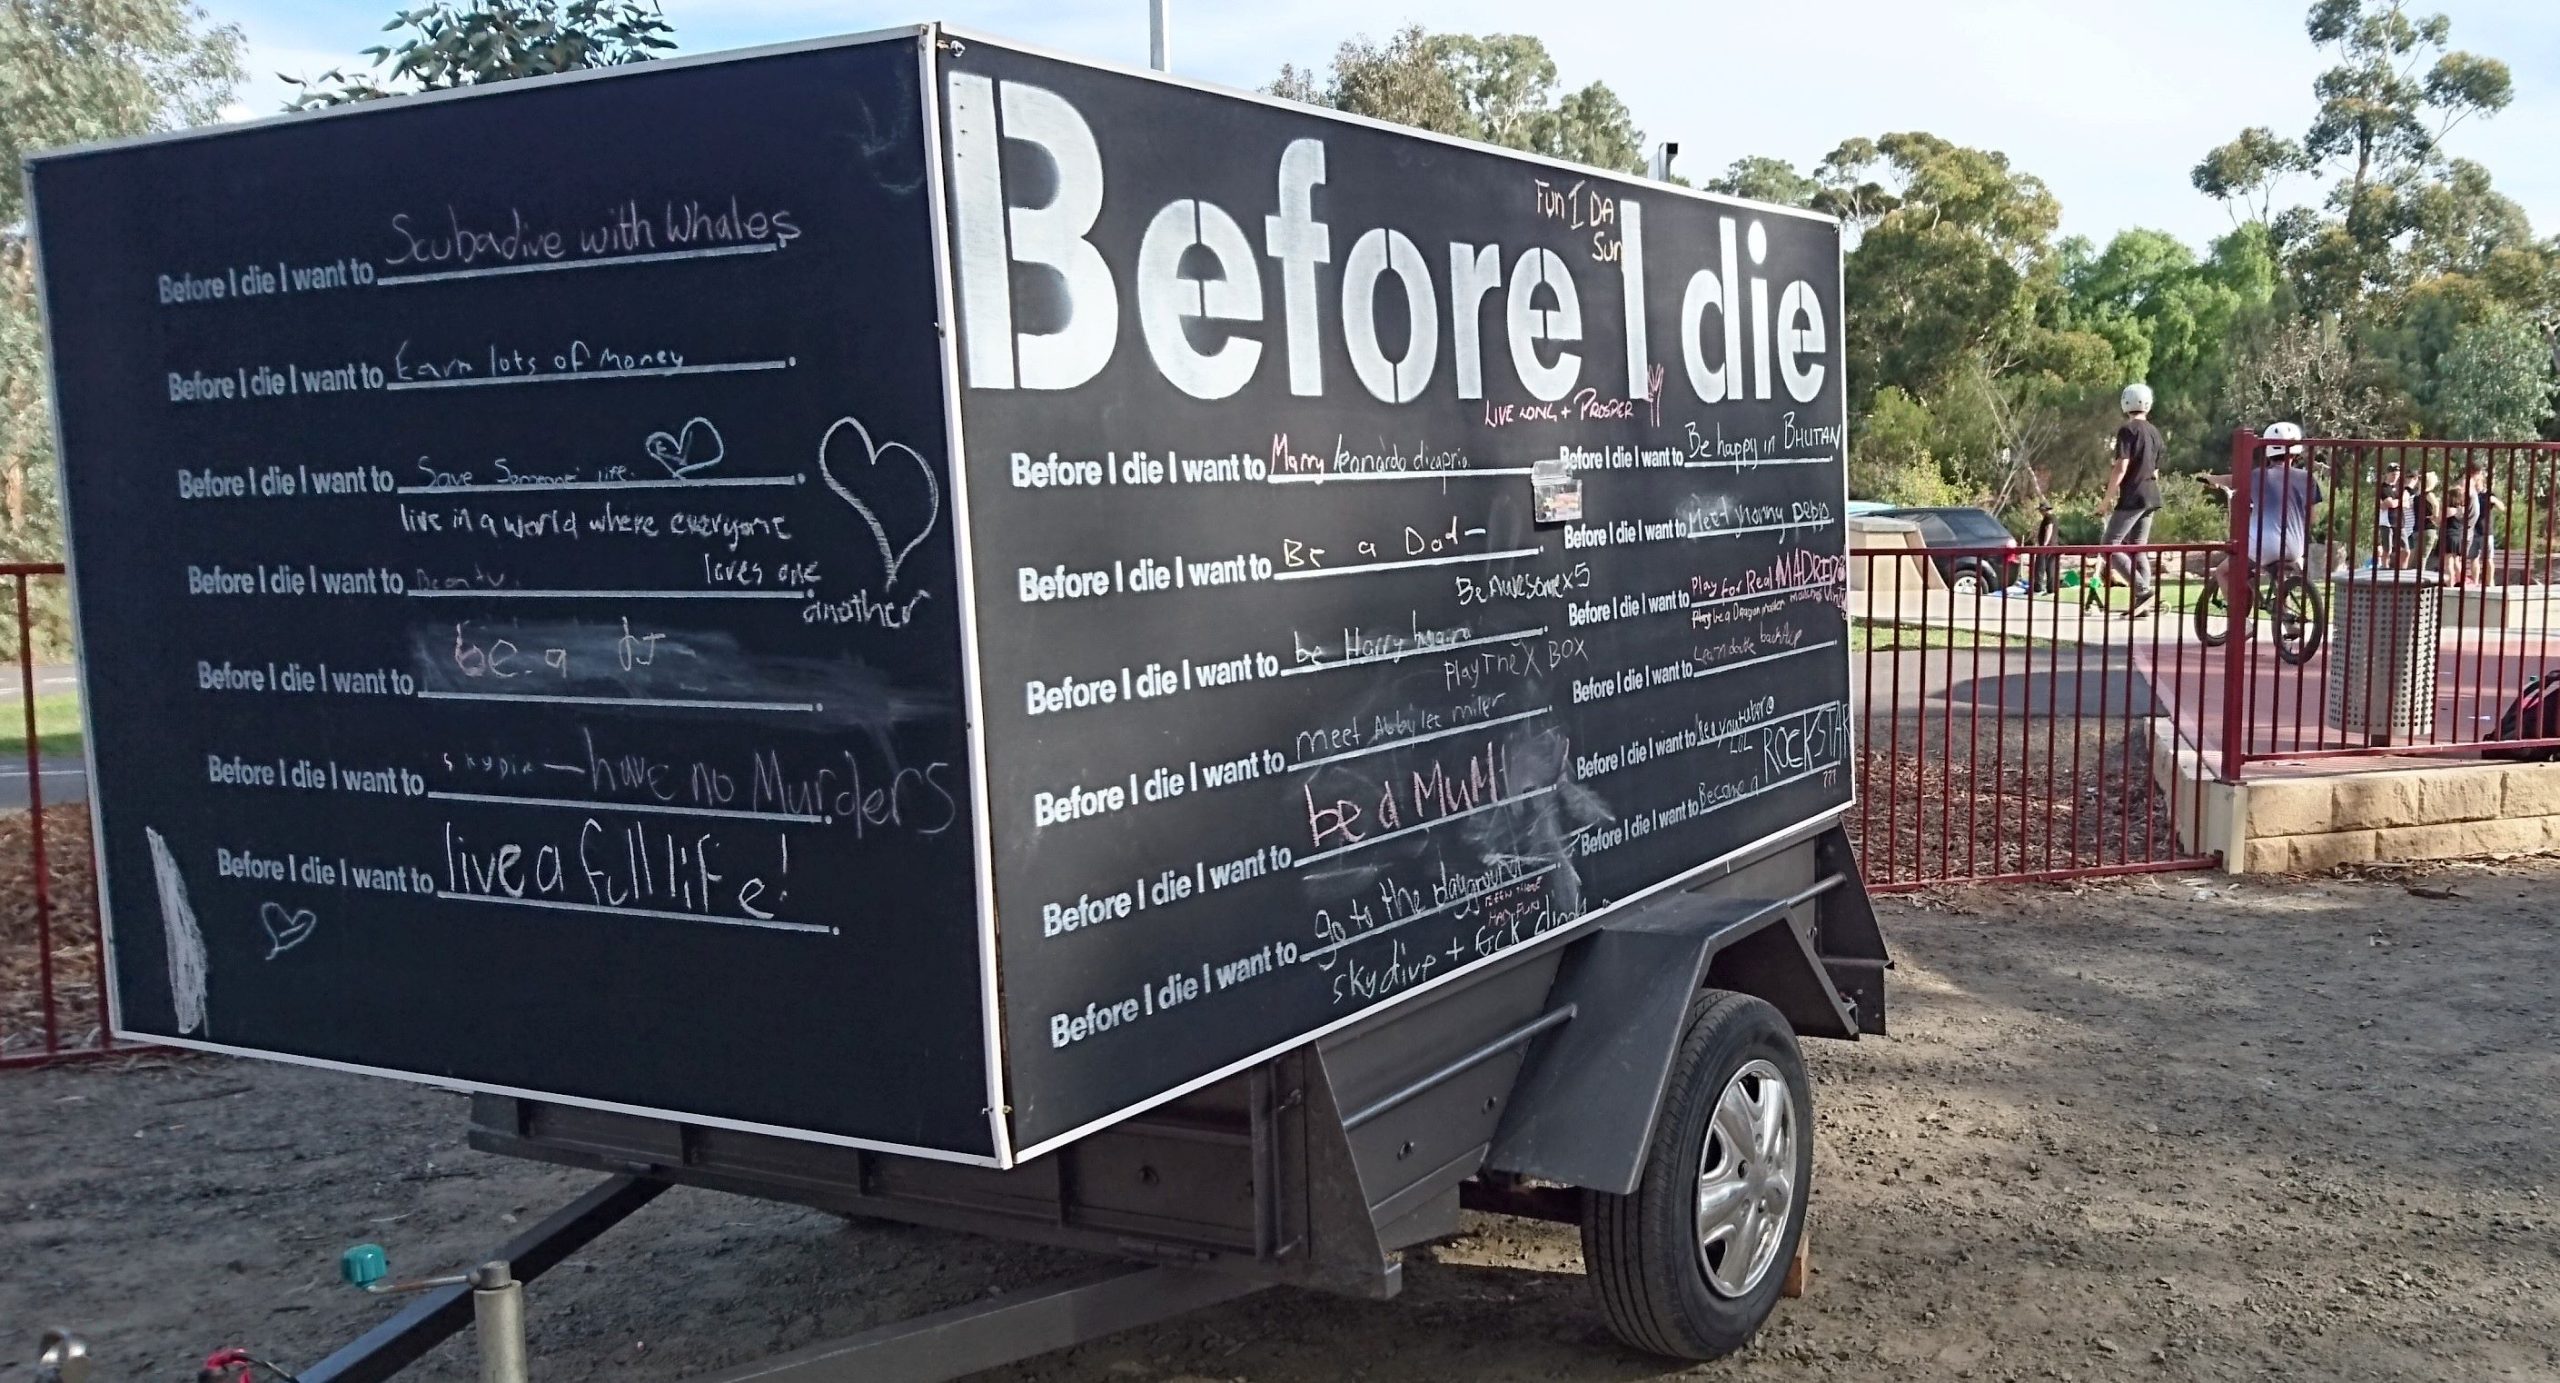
(187, 970)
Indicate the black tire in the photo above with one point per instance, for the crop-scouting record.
(1967, 580)
(2213, 612)
(2302, 621)
(1643, 1251)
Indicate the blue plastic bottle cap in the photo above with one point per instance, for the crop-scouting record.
(364, 1265)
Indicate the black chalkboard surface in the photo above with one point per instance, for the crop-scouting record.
(639, 588)
(477, 510)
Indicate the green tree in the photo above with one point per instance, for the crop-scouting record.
(2300, 368)
(1951, 241)
(464, 42)
(1766, 179)
(74, 71)
(2243, 175)
(2169, 316)
(1495, 88)
(2383, 105)
(2494, 382)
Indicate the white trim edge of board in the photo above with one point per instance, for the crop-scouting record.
(79, 634)
(471, 1087)
(972, 700)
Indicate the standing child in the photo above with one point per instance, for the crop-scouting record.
(2394, 520)
(2482, 505)
(2136, 481)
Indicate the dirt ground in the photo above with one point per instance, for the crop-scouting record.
(2169, 1127)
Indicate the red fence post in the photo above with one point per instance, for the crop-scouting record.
(2239, 591)
(35, 824)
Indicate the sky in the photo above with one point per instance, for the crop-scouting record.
(2110, 104)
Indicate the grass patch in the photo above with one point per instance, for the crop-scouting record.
(58, 727)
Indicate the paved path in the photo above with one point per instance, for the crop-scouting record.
(65, 780)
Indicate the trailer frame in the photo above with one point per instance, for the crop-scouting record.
(1516, 1092)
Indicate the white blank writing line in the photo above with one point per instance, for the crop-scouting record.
(1415, 739)
(774, 924)
(635, 702)
(1762, 595)
(1305, 860)
(1757, 528)
(1323, 477)
(1762, 461)
(524, 594)
(1764, 658)
(660, 808)
(1312, 572)
(1410, 652)
(727, 482)
(605, 263)
(1426, 912)
(658, 372)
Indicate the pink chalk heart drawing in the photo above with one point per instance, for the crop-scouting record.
(852, 464)
(285, 930)
(695, 447)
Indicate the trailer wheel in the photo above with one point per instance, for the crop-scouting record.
(1692, 1263)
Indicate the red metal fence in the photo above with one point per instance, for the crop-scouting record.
(2025, 733)
(2471, 524)
(52, 970)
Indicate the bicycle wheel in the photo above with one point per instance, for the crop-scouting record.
(2302, 618)
(2213, 611)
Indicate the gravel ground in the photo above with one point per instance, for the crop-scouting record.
(2162, 1128)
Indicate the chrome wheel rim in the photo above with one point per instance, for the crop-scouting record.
(1746, 1179)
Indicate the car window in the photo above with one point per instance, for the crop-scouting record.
(1933, 529)
(1976, 528)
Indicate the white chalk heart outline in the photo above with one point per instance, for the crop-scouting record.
(675, 450)
(286, 930)
(872, 452)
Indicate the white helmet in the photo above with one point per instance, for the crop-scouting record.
(2283, 439)
(2137, 398)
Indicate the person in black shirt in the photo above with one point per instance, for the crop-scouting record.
(2136, 481)
(2045, 569)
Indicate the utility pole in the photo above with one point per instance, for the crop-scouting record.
(1159, 35)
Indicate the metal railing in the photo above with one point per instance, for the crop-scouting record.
(2032, 731)
(2477, 523)
(52, 961)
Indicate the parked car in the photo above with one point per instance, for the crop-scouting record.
(1958, 526)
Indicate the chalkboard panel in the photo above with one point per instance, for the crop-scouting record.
(1295, 700)
(514, 571)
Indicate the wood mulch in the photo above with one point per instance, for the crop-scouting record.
(71, 920)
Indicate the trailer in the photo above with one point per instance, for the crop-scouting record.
(921, 628)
